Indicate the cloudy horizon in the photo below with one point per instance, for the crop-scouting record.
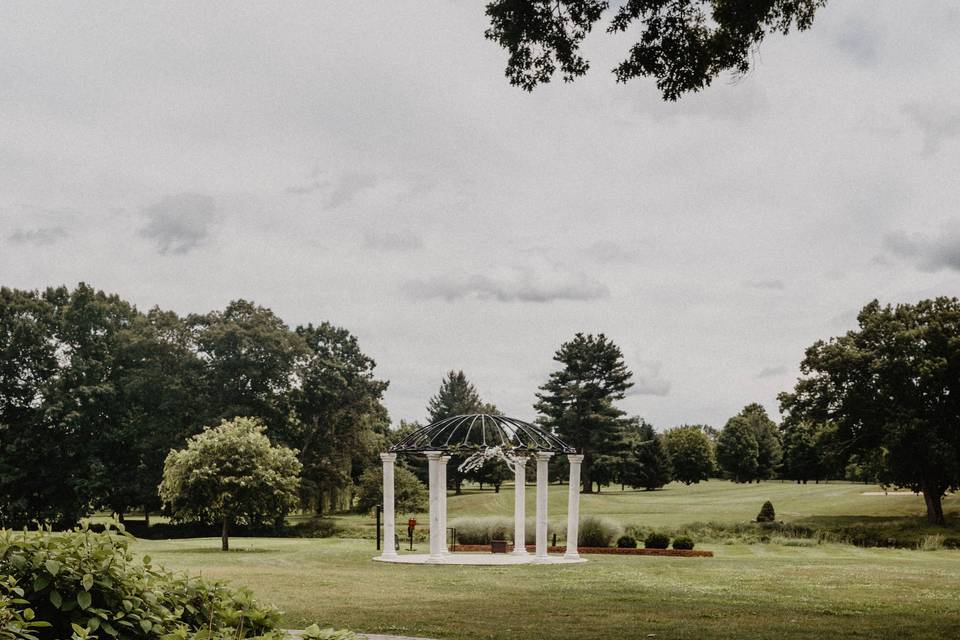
(377, 171)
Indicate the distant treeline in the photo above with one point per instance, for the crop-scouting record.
(94, 393)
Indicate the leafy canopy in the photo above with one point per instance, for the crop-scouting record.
(683, 44)
(231, 473)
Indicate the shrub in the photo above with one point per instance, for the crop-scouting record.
(657, 541)
(596, 532)
(482, 530)
(626, 542)
(767, 513)
(683, 542)
(83, 583)
(410, 495)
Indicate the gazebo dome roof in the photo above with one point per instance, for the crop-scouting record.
(478, 431)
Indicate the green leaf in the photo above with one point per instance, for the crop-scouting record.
(84, 599)
(41, 582)
(87, 581)
(53, 567)
(146, 625)
(56, 599)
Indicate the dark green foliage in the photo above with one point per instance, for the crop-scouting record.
(341, 421)
(737, 450)
(410, 495)
(691, 454)
(657, 541)
(94, 394)
(683, 543)
(892, 385)
(596, 532)
(577, 403)
(457, 396)
(767, 514)
(626, 542)
(645, 463)
(683, 44)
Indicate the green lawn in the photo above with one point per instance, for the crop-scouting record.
(756, 591)
(827, 506)
(746, 591)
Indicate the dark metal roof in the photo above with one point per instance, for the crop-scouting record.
(477, 431)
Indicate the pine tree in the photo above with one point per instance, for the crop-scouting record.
(577, 402)
(646, 462)
(456, 396)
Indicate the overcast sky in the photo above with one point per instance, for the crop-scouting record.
(368, 164)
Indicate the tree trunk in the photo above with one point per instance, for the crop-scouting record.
(459, 487)
(933, 499)
(224, 535)
(585, 470)
(120, 517)
(146, 517)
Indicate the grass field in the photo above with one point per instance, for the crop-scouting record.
(818, 506)
(746, 591)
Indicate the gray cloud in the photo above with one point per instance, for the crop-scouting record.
(772, 372)
(521, 285)
(41, 236)
(607, 251)
(179, 223)
(937, 122)
(771, 284)
(339, 191)
(648, 381)
(858, 41)
(927, 253)
(402, 241)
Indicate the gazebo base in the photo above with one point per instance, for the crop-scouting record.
(488, 559)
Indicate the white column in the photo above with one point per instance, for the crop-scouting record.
(519, 505)
(389, 517)
(573, 507)
(436, 537)
(442, 487)
(543, 459)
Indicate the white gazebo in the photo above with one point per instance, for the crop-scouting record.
(478, 438)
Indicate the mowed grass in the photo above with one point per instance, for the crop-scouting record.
(825, 505)
(745, 591)
(755, 591)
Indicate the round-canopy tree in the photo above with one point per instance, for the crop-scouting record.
(230, 474)
(893, 386)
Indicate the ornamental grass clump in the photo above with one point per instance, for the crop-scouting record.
(596, 532)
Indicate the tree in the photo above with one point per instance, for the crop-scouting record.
(34, 481)
(691, 454)
(801, 460)
(769, 445)
(892, 384)
(646, 463)
(737, 450)
(410, 495)
(231, 474)
(250, 357)
(338, 411)
(684, 44)
(577, 402)
(456, 396)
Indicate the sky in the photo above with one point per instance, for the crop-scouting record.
(368, 164)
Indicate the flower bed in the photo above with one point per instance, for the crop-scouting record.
(679, 553)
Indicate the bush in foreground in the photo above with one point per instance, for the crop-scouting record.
(657, 541)
(683, 543)
(83, 584)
